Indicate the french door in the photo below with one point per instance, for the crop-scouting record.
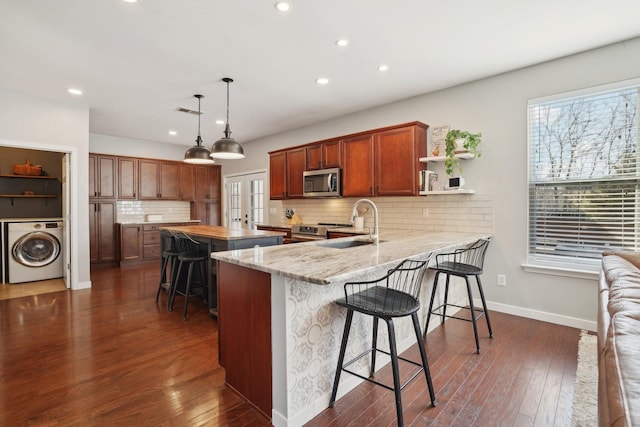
(246, 200)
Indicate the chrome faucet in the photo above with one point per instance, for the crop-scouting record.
(354, 214)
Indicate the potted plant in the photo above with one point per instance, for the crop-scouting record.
(459, 141)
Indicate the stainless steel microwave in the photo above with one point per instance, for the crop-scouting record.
(322, 183)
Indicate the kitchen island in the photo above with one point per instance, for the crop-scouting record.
(222, 239)
(279, 330)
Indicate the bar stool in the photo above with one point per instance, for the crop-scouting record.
(169, 258)
(462, 263)
(193, 254)
(394, 295)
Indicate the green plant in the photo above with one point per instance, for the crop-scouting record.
(471, 142)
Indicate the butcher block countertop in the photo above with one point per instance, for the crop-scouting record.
(222, 233)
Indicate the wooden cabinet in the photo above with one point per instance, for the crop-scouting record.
(207, 183)
(102, 233)
(384, 163)
(278, 176)
(296, 163)
(324, 155)
(187, 182)
(158, 179)
(207, 212)
(102, 176)
(127, 178)
(357, 166)
(285, 173)
(287, 230)
(130, 243)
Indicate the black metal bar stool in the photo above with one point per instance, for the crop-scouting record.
(193, 254)
(169, 258)
(462, 263)
(394, 295)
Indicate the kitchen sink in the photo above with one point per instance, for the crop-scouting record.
(343, 244)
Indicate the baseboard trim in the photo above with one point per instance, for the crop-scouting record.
(540, 315)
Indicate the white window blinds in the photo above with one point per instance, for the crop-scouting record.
(583, 176)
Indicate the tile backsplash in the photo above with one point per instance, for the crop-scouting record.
(135, 210)
(459, 212)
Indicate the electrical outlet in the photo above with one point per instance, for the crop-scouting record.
(425, 213)
(502, 280)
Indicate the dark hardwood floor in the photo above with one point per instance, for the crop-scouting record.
(110, 356)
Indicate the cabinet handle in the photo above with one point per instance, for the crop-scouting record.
(371, 190)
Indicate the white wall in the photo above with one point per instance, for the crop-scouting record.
(30, 122)
(106, 144)
(496, 107)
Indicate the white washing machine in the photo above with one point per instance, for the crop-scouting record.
(34, 251)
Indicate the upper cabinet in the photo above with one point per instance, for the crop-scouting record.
(380, 162)
(285, 173)
(207, 183)
(158, 180)
(127, 178)
(324, 155)
(187, 182)
(102, 176)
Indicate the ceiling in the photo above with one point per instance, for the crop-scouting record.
(137, 63)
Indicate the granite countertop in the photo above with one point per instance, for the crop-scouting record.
(314, 263)
(276, 225)
(223, 233)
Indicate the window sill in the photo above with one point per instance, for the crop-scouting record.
(561, 271)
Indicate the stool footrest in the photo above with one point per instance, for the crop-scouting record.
(437, 312)
(371, 380)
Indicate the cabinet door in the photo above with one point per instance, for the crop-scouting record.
(296, 163)
(187, 182)
(314, 157)
(277, 176)
(127, 178)
(93, 176)
(215, 176)
(169, 180)
(397, 164)
(357, 166)
(94, 243)
(331, 154)
(130, 242)
(107, 175)
(148, 187)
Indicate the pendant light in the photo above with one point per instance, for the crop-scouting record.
(198, 154)
(227, 147)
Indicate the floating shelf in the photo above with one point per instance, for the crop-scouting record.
(27, 176)
(447, 192)
(30, 196)
(463, 156)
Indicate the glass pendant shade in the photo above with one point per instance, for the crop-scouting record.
(198, 154)
(227, 147)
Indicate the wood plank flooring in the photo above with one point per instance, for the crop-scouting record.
(111, 356)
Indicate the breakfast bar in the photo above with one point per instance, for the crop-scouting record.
(222, 239)
(279, 330)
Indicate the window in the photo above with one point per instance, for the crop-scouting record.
(583, 176)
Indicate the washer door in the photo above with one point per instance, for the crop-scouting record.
(36, 249)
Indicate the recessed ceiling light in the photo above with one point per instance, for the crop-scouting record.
(74, 91)
(220, 122)
(342, 42)
(130, 1)
(322, 80)
(173, 133)
(383, 67)
(283, 6)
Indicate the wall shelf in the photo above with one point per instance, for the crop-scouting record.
(4, 175)
(447, 192)
(463, 156)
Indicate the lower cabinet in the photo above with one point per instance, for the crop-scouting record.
(141, 242)
(102, 232)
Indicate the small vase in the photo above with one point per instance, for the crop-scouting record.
(460, 146)
(436, 151)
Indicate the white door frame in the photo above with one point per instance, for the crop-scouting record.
(225, 193)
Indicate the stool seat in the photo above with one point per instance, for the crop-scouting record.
(393, 295)
(191, 254)
(461, 263)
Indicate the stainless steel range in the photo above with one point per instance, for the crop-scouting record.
(309, 232)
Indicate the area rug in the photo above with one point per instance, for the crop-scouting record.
(585, 393)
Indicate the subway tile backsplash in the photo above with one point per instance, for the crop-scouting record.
(459, 212)
(135, 210)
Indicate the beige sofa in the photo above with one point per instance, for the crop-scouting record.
(619, 340)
